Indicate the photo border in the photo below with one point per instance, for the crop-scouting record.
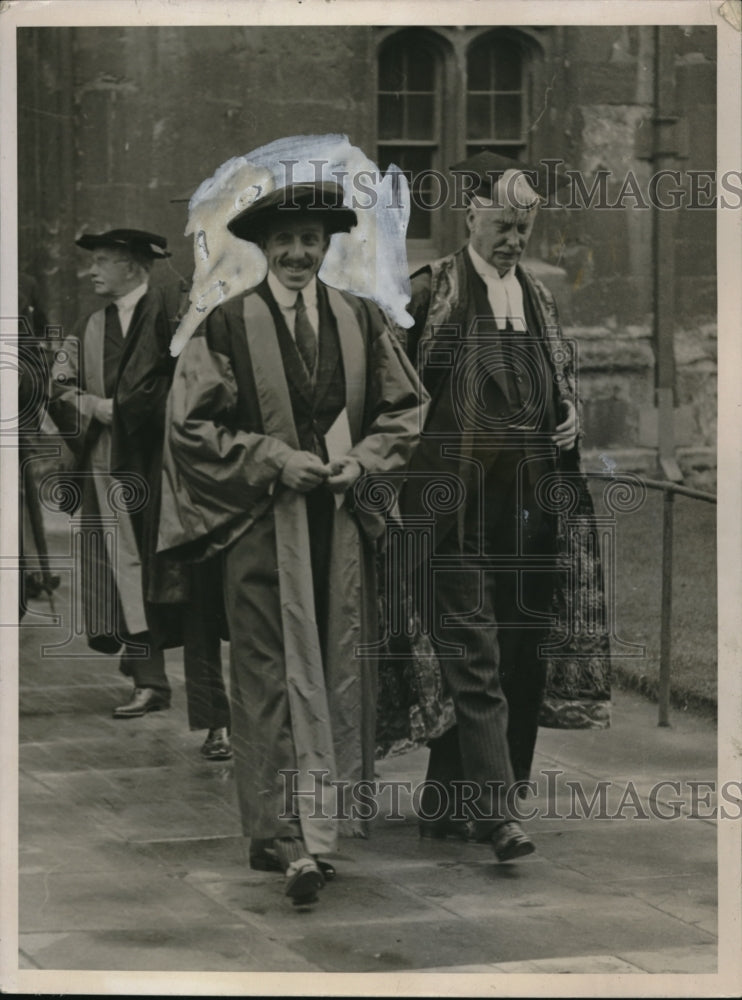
(110, 13)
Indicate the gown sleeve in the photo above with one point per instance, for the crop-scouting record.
(72, 409)
(396, 402)
(216, 476)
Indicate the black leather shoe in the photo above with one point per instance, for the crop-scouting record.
(142, 701)
(303, 881)
(510, 842)
(303, 877)
(265, 859)
(216, 745)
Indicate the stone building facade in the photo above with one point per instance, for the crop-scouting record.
(115, 123)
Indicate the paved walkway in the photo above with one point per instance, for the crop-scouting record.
(131, 856)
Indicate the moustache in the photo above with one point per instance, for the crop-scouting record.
(304, 261)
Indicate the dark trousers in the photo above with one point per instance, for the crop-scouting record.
(522, 675)
(521, 599)
(208, 705)
(497, 682)
(146, 671)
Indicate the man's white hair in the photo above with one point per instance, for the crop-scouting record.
(512, 190)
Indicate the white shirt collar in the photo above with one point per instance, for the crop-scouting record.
(485, 270)
(504, 293)
(286, 297)
(126, 303)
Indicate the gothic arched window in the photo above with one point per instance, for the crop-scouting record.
(409, 108)
(497, 96)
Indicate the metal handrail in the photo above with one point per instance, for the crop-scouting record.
(658, 484)
(669, 490)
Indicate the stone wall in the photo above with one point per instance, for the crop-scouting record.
(116, 122)
(604, 108)
(603, 113)
(616, 384)
(148, 113)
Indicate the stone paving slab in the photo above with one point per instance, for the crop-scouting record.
(609, 850)
(687, 745)
(56, 822)
(385, 945)
(86, 753)
(30, 789)
(347, 901)
(142, 785)
(98, 854)
(69, 728)
(199, 858)
(389, 946)
(73, 672)
(217, 947)
(82, 699)
(136, 898)
(690, 898)
(143, 821)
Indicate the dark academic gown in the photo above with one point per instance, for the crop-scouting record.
(144, 374)
(299, 571)
(495, 400)
(182, 608)
(113, 606)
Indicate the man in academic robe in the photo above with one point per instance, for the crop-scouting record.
(285, 400)
(84, 380)
(501, 430)
(183, 608)
(178, 610)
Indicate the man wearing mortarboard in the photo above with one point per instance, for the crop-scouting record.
(502, 423)
(110, 384)
(283, 398)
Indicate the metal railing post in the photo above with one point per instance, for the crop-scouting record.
(669, 491)
(668, 509)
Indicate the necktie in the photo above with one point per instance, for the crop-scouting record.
(113, 320)
(112, 348)
(306, 338)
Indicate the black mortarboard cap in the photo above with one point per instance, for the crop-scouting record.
(323, 200)
(486, 169)
(136, 240)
